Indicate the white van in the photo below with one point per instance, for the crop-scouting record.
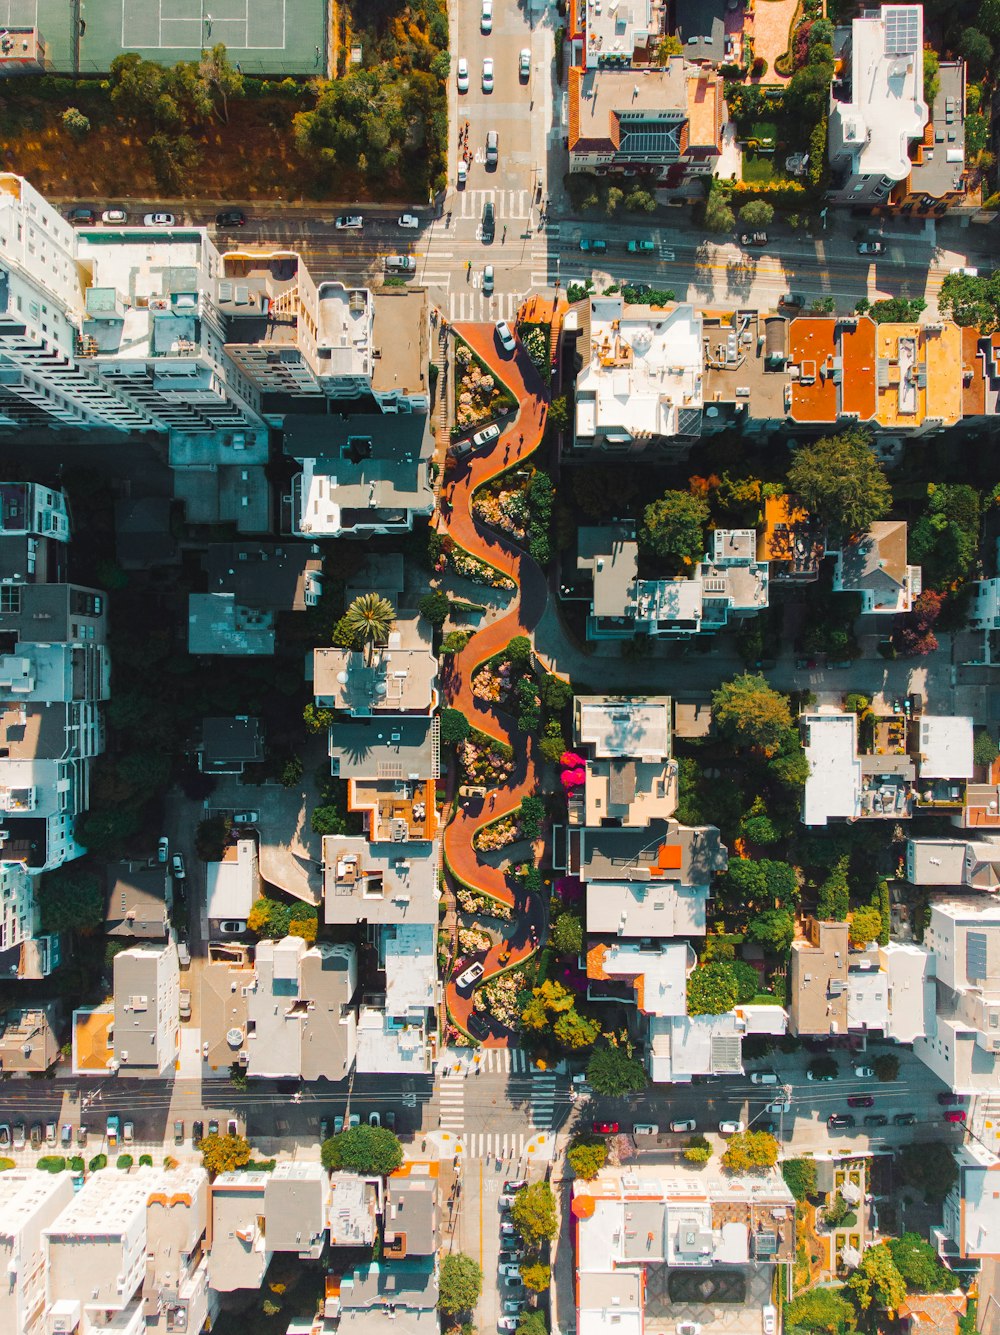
(763, 1077)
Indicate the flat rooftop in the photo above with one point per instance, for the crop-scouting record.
(833, 788)
(633, 728)
(144, 299)
(812, 350)
(401, 342)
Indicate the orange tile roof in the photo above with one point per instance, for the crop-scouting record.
(857, 390)
(973, 374)
(595, 962)
(91, 1030)
(703, 109)
(575, 85)
(812, 347)
(771, 544)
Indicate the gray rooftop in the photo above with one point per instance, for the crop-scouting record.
(274, 576)
(674, 852)
(411, 1213)
(379, 748)
(136, 901)
(239, 1255)
(944, 160)
(295, 1208)
(382, 883)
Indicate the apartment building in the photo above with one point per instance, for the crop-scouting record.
(837, 989)
(296, 1202)
(29, 1203)
(731, 583)
(411, 1211)
(606, 37)
(972, 864)
(640, 387)
(240, 1251)
(791, 542)
(138, 1032)
(399, 678)
(233, 884)
(630, 776)
(937, 179)
(227, 745)
(34, 534)
(30, 1039)
(300, 1020)
(877, 108)
(379, 1297)
(355, 1204)
(969, 1232)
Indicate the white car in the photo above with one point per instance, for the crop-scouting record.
(462, 175)
(484, 437)
(408, 220)
(731, 1128)
(769, 1318)
(509, 1268)
(507, 339)
(965, 271)
(463, 75)
(524, 64)
(469, 976)
(864, 1072)
(507, 1323)
(158, 220)
(780, 1106)
(114, 216)
(688, 1125)
(689, 1328)
(645, 1129)
(349, 220)
(488, 280)
(488, 74)
(486, 18)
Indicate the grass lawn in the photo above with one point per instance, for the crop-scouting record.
(757, 169)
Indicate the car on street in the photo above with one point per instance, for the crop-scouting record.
(767, 1124)
(508, 1233)
(486, 16)
(687, 1124)
(19, 1134)
(162, 849)
(232, 926)
(488, 433)
(876, 1119)
(508, 1268)
(158, 220)
(820, 1075)
(488, 280)
(112, 1130)
(507, 1323)
(338, 1125)
(638, 247)
(470, 976)
(956, 1115)
(463, 75)
(515, 1185)
(128, 1132)
(400, 264)
(769, 1319)
(763, 1077)
(511, 1306)
(861, 1101)
(232, 1127)
(689, 1328)
(513, 1282)
(231, 218)
(197, 1132)
(905, 1119)
(864, 1072)
(753, 240)
(780, 1106)
(837, 1121)
(947, 1097)
(488, 74)
(81, 216)
(793, 301)
(184, 1009)
(178, 1132)
(524, 64)
(606, 1128)
(5, 1136)
(645, 1129)
(36, 1135)
(871, 248)
(246, 817)
(492, 150)
(374, 1119)
(353, 1120)
(593, 247)
(114, 216)
(324, 1129)
(506, 337)
(462, 176)
(408, 220)
(489, 224)
(389, 1119)
(213, 1126)
(81, 1136)
(51, 1131)
(731, 1128)
(177, 867)
(349, 222)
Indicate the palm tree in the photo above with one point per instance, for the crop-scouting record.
(370, 618)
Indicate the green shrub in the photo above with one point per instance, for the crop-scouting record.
(97, 1162)
(124, 1161)
(52, 1163)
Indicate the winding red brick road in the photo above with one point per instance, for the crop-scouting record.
(520, 439)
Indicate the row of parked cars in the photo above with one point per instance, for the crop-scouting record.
(513, 1296)
(87, 217)
(17, 1136)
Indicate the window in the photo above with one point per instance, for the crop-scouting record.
(10, 597)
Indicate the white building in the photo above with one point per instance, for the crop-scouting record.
(881, 109)
(233, 884)
(29, 1202)
(147, 1002)
(970, 1229)
(641, 383)
(19, 916)
(957, 863)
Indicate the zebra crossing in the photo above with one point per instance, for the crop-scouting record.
(509, 204)
(451, 1115)
(500, 1145)
(469, 304)
(502, 1059)
(543, 1100)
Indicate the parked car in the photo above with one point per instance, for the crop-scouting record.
(820, 1074)
(484, 437)
(389, 1118)
(507, 1323)
(513, 1281)
(470, 976)
(515, 1185)
(492, 149)
(871, 248)
(374, 1119)
(213, 1126)
(232, 1127)
(128, 1132)
(505, 335)
(793, 301)
(5, 1136)
(114, 216)
(81, 216)
(641, 247)
(353, 1120)
(51, 1131)
(185, 1003)
(645, 1129)
(162, 849)
(81, 1136)
(689, 1328)
(731, 1128)
(864, 1072)
(753, 240)
(112, 1130)
(839, 1120)
(177, 867)
(463, 75)
(486, 16)
(508, 1232)
(232, 926)
(158, 220)
(231, 218)
(349, 222)
(947, 1097)
(509, 1268)
(489, 224)
(956, 1115)
(594, 247)
(183, 955)
(197, 1132)
(36, 1135)
(408, 220)
(338, 1125)
(488, 280)
(488, 74)
(780, 1106)
(876, 1119)
(524, 63)
(246, 817)
(606, 1128)
(19, 1134)
(462, 176)
(861, 1101)
(763, 1077)
(769, 1319)
(178, 1132)
(687, 1125)
(513, 1305)
(904, 1119)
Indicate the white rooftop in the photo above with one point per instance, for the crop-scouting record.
(634, 728)
(833, 788)
(945, 747)
(232, 883)
(408, 951)
(346, 322)
(663, 971)
(655, 908)
(615, 27)
(351, 1213)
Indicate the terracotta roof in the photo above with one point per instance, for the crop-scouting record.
(933, 1314)
(704, 102)
(595, 962)
(575, 84)
(973, 374)
(857, 391)
(812, 347)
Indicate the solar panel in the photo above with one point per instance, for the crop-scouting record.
(902, 30)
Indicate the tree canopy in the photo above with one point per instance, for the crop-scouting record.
(567, 934)
(455, 727)
(865, 926)
(587, 1158)
(944, 541)
(930, 1166)
(774, 929)
(917, 1261)
(972, 300)
(460, 1284)
(760, 883)
(612, 1071)
(822, 1310)
(712, 989)
(800, 1176)
(877, 1281)
(370, 618)
(673, 528)
(533, 1214)
(841, 482)
(221, 1154)
(751, 713)
(363, 1149)
(70, 898)
(750, 1152)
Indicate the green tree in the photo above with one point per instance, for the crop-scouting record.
(533, 1214)
(750, 1152)
(836, 1212)
(719, 217)
(71, 898)
(977, 49)
(612, 1071)
(712, 989)
(984, 748)
(822, 1310)
(945, 539)
(435, 607)
(673, 528)
(988, 17)
(531, 814)
(865, 927)
(834, 898)
(459, 1285)
(917, 1262)
(327, 819)
(575, 1031)
(550, 998)
(840, 481)
(558, 417)
(532, 1322)
(640, 201)
(536, 1276)
(316, 719)
(370, 618)
(221, 1154)
(932, 83)
(749, 712)
(567, 934)
(587, 1158)
(800, 1177)
(698, 1150)
(76, 122)
(518, 649)
(774, 929)
(824, 1068)
(757, 213)
(221, 77)
(363, 1149)
(930, 1167)
(877, 1281)
(454, 727)
(211, 837)
(758, 884)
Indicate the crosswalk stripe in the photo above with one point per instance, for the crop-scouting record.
(499, 1144)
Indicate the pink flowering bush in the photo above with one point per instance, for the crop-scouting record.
(470, 567)
(472, 940)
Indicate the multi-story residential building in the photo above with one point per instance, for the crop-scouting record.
(20, 919)
(969, 1232)
(296, 1203)
(666, 118)
(228, 745)
(837, 989)
(972, 864)
(399, 678)
(411, 1211)
(640, 386)
(630, 777)
(241, 1251)
(354, 1210)
(633, 1229)
(877, 110)
(378, 1297)
(937, 177)
(266, 576)
(138, 1032)
(874, 565)
(29, 1203)
(30, 1039)
(232, 885)
(730, 583)
(34, 533)
(604, 38)
(791, 542)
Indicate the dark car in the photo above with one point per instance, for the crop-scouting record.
(876, 1119)
(840, 1120)
(197, 1132)
(231, 218)
(82, 216)
(947, 1097)
(478, 1026)
(754, 239)
(793, 301)
(489, 221)
(861, 1101)
(595, 247)
(905, 1119)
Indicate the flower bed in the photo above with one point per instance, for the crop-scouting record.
(494, 682)
(471, 940)
(482, 905)
(479, 396)
(499, 997)
(486, 761)
(506, 510)
(470, 567)
(500, 833)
